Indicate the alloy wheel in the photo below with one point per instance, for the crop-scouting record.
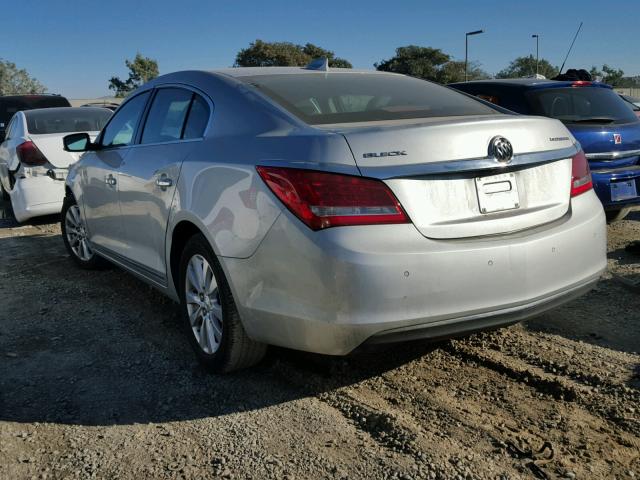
(77, 234)
(203, 304)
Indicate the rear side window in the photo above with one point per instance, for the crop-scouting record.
(122, 127)
(580, 105)
(198, 118)
(322, 98)
(63, 120)
(167, 115)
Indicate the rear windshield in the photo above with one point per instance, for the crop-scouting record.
(356, 97)
(11, 105)
(581, 105)
(62, 120)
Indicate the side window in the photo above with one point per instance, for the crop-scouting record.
(198, 118)
(167, 115)
(121, 129)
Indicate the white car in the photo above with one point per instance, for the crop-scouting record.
(33, 164)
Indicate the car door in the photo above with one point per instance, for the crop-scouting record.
(175, 122)
(99, 172)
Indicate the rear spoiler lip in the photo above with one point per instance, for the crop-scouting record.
(469, 165)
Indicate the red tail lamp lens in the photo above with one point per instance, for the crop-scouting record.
(324, 200)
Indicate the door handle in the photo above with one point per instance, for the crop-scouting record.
(110, 180)
(164, 182)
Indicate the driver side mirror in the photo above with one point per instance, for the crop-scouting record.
(78, 142)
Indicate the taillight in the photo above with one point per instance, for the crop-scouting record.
(323, 200)
(30, 155)
(580, 174)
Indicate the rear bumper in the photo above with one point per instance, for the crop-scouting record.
(36, 196)
(602, 180)
(330, 291)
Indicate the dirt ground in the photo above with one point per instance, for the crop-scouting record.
(98, 381)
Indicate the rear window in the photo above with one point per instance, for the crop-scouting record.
(356, 97)
(56, 120)
(580, 105)
(11, 105)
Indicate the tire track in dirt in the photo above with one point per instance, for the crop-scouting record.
(605, 403)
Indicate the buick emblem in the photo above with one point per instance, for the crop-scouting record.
(500, 148)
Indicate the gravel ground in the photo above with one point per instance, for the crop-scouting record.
(98, 381)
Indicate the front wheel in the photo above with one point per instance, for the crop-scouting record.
(209, 312)
(616, 215)
(74, 235)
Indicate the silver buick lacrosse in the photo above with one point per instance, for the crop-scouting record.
(321, 209)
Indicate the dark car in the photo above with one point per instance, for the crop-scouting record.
(11, 104)
(598, 118)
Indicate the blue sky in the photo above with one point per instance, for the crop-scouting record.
(74, 47)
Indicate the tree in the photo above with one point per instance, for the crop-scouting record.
(526, 67)
(420, 62)
(453, 71)
(17, 81)
(429, 64)
(141, 70)
(609, 75)
(285, 54)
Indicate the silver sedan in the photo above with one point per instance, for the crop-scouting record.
(321, 210)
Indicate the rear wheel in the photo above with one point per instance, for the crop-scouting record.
(210, 316)
(616, 215)
(75, 237)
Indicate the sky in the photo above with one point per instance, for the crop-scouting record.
(74, 47)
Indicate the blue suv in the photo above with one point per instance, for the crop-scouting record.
(598, 118)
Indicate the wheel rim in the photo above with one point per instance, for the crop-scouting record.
(203, 304)
(77, 234)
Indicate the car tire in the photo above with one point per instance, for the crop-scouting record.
(209, 312)
(616, 215)
(75, 239)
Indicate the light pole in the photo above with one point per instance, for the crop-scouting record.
(466, 49)
(537, 37)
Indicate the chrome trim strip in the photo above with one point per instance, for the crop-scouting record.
(134, 267)
(468, 165)
(632, 169)
(612, 155)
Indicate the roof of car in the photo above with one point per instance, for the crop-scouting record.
(256, 71)
(528, 82)
(31, 95)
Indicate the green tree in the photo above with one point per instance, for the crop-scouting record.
(609, 75)
(453, 71)
(429, 64)
(420, 62)
(285, 54)
(17, 81)
(141, 70)
(526, 67)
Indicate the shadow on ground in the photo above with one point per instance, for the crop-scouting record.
(102, 348)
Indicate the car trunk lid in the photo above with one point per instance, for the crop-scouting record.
(441, 171)
(51, 147)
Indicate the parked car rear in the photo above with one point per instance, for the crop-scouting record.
(33, 164)
(10, 104)
(598, 118)
(323, 209)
